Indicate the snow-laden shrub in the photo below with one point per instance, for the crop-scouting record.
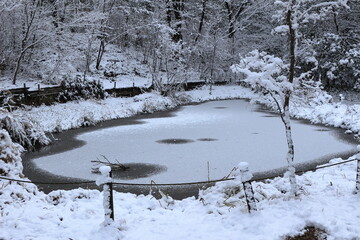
(267, 74)
(152, 102)
(264, 73)
(22, 130)
(310, 94)
(81, 89)
(339, 61)
(11, 167)
(88, 120)
(10, 162)
(230, 194)
(182, 98)
(7, 100)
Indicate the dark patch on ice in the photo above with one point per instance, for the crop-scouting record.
(175, 141)
(322, 130)
(138, 170)
(207, 139)
(255, 133)
(270, 116)
(220, 107)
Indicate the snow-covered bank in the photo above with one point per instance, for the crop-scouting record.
(326, 201)
(75, 114)
(60, 117)
(337, 115)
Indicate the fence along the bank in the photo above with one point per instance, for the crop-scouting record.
(108, 183)
(49, 95)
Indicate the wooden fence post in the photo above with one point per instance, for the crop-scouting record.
(249, 196)
(245, 177)
(38, 95)
(25, 94)
(108, 201)
(358, 171)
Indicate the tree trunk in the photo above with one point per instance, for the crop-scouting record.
(178, 8)
(100, 54)
(213, 59)
(292, 46)
(17, 67)
(230, 19)
(202, 20)
(286, 114)
(291, 153)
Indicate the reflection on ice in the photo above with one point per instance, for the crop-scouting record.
(241, 134)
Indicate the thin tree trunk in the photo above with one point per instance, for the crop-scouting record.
(292, 47)
(17, 67)
(291, 153)
(29, 23)
(286, 114)
(178, 8)
(103, 38)
(202, 20)
(213, 59)
(335, 20)
(231, 21)
(100, 54)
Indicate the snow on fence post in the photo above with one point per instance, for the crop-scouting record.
(245, 177)
(108, 202)
(358, 171)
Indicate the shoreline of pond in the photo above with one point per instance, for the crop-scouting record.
(38, 175)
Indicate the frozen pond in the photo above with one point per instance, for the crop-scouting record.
(199, 142)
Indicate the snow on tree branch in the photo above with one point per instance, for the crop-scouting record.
(304, 11)
(264, 72)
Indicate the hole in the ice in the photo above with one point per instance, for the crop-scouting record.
(207, 139)
(175, 141)
(322, 130)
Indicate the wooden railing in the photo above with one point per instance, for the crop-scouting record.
(49, 95)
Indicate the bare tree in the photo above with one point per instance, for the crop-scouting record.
(32, 34)
(103, 33)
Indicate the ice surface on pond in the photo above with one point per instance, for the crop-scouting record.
(242, 134)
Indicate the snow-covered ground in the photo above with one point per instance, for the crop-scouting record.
(326, 200)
